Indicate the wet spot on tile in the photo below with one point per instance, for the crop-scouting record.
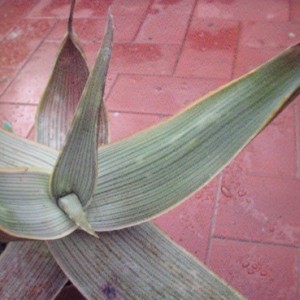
(22, 41)
(213, 34)
(256, 270)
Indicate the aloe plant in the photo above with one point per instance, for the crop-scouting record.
(72, 210)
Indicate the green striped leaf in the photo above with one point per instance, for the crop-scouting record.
(28, 271)
(136, 263)
(152, 171)
(76, 169)
(27, 210)
(19, 152)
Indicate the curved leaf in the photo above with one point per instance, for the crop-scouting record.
(76, 167)
(26, 271)
(62, 93)
(154, 170)
(136, 263)
(19, 152)
(148, 173)
(27, 210)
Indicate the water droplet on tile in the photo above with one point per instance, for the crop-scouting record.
(248, 200)
(263, 273)
(226, 192)
(184, 86)
(271, 228)
(282, 297)
(198, 195)
(242, 193)
(292, 35)
(14, 34)
(158, 89)
(250, 271)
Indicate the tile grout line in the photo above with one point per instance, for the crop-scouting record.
(236, 49)
(143, 18)
(254, 242)
(296, 126)
(184, 38)
(30, 131)
(106, 97)
(171, 76)
(23, 66)
(213, 219)
(18, 71)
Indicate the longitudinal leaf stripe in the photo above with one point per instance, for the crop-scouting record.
(26, 209)
(148, 173)
(136, 263)
(76, 167)
(31, 265)
(154, 170)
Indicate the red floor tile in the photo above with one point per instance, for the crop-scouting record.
(167, 53)
(213, 34)
(243, 10)
(189, 223)
(162, 29)
(209, 49)
(269, 34)
(89, 9)
(92, 30)
(31, 134)
(144, 58)
(295, 10)
(137, 58)
(11, 12)
(261, 272)
(129, 7)
(171, 7)
(30, 83)
(249, 58)
(157, 94)
(124, 124)
(272, 152)
(20, 43)
(6, 76)
(261, 209)
(21, 117)
(60, 8)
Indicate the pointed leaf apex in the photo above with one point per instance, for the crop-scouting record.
(70, 21)
(71, 205)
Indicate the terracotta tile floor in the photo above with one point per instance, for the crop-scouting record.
(245, 224)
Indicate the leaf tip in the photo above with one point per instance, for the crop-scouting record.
(70, 21)
(71, 205)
